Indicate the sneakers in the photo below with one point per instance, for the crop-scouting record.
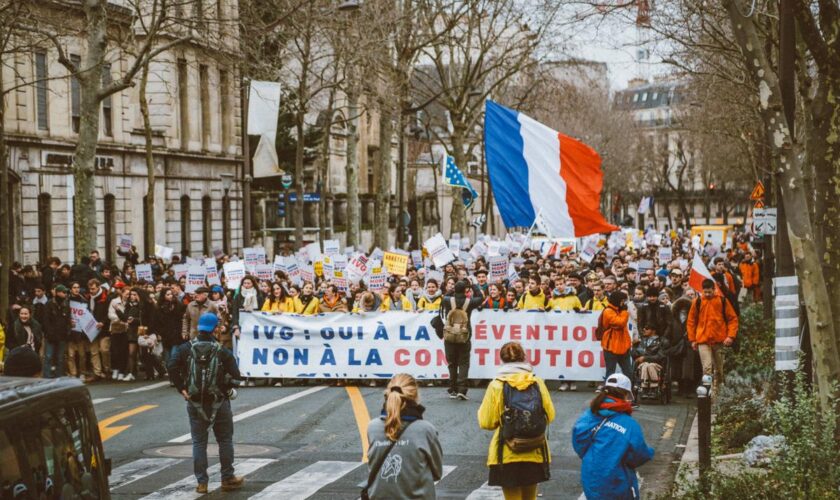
(278, 384)
(572, 386)
(114, 375)
(201, 488)
(564, 386)
(129, 378)
(232, 483)
(453, 395)
(462, 396)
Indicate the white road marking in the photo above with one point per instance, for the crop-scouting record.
(185, 488)
(307, 481)
(138, 469)
(486, 492)
(446, 470)
(147, 387)
(102, 400)
(261, 409)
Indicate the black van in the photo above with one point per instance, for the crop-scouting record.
(49, 441)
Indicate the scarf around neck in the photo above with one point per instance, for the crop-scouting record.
(617, 406)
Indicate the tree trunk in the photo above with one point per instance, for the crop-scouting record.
(325, 170)
(787, 163)
(352, 166)
(457, 216)
(5, 242)
(298, 206)
(84, 159)
(149, 237)
(382, 209)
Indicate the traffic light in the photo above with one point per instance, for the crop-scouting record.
(281, 205)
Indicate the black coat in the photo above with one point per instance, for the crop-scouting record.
(21, 336)
(168, 323)
(58, 321)
(653, 348)
(659, 315)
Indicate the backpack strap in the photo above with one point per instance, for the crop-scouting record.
(594, 431)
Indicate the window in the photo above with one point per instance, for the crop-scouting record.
(226, 224)
(204, 82)
(207, 225)
(224, 86)
(75, 95)
(654, 96)
(107, 117)
(110, 227)
(185, 225)
(644, 96)
(44, 226)
(184, 104)
(635, 97)
(41, 76)
(198, 11)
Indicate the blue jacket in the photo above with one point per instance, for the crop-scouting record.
(609, 463)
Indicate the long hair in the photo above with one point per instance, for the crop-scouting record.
(606, 392)
(401, 387)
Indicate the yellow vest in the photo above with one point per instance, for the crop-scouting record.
(567, 303)
(530, 302)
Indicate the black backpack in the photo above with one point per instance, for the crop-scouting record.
(203, 377)
(524, 421)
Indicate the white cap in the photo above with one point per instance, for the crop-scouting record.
(620, 381)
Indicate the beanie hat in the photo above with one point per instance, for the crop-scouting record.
(61, 288)
(616, 297)
(207, 322)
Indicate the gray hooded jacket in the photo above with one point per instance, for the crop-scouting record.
(412, 467)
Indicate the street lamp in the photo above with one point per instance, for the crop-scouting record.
(227, 182)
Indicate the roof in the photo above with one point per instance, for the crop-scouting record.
(651, 95)
(19, 388)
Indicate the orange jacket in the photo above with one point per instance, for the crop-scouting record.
(616, 337)
(750, 273)
(709, 326)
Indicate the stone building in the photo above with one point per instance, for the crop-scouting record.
(193, 94)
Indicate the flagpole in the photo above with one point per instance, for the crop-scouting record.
(536, 218)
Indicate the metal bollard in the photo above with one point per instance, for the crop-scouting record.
(704, 429)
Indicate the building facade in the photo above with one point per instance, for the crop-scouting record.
(194, 107)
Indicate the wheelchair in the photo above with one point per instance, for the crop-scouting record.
(660, 393)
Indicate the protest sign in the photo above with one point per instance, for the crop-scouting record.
(313, 251)
(357, 268)
(589, 251)
(395, 263)
(163, 252)
(192, 261)
(498, 268)
(144, 273)
(318, 267)
(376, 254)
(512, 275)
(417, 258)
(125, 243)
(439, 251)
(644, 264)
(279, 263)
(180, 270)
(340, 262)
(477, 250)
(559, 345)
(253, 257)
(196, 277)
(212, 272)
(455, 246)
(327, 267)
(234, 272)
(332, 247)
(264, 272)
(665, 254)
(378, 280)
(83, 320)
(435, 275)
(307, 273)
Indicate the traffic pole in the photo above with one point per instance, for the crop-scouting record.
(704, 430)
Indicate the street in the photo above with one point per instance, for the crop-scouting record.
(306, 442)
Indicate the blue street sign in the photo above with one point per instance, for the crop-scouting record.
(307, 197)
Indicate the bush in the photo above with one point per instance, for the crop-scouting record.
(741, 411)
(756, 339)
(807, 468)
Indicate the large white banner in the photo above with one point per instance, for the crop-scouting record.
(560, 345)
(342, 345)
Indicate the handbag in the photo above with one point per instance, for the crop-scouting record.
(375, 469)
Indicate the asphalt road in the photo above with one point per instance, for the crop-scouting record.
(306, 442)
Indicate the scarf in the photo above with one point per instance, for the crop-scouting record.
(40, 300)
(412, 411)
(516, 367)
(249, 296)
(495, 304)
(30, 338)
(617, 406)
(431, 298)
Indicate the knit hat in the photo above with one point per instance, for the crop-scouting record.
(207, 322)
(217, 289)
(61, 288)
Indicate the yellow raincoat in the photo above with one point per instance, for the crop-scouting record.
(490, 415)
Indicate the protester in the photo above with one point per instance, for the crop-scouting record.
(100, 347)
(118, 329)
(56, 332)
(616, 339)
(650, 356)
(431, 298)
(208, 400)
(332, 302)
(455, 313)
(198, 306)
(534, 299)
(517, 471)
(400, 439)
(27, 330)
(610, 443)
(394, 300)
(711, 324)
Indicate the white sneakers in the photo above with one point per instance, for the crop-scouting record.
(115, 375)
(567, 386)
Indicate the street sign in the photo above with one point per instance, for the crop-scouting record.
(286, 180)
(764, 221)
(307, 197)
(758, 191)
(758, 204)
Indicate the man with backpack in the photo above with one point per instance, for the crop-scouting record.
(455, 312)
(203, 372)
(711, 323)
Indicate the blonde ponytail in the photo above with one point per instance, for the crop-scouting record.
(400, 388)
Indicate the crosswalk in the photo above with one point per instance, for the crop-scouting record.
(303, 484)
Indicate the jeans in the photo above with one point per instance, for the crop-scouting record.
(54, 356)
(458, 362)
(222, 429)
(623, 361)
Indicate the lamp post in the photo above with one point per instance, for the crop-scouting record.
(704, 429)
(227, 183)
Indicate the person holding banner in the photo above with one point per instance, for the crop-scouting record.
(307, 303)
(78, 344)
(534, 299)
(431, 299)
(278, 301)
(394, 300)
(517, 472)
(405, 456)
(332, 302)
(494, 301)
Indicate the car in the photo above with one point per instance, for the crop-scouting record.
(49, 441)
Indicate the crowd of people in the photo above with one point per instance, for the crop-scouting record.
(647, 311)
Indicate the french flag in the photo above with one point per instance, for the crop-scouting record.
(534, 169)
